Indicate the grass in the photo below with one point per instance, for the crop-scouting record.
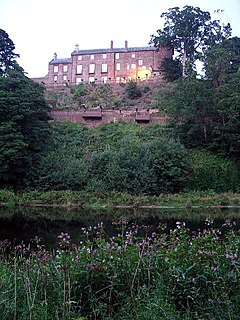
(137, 274)
(83, 199)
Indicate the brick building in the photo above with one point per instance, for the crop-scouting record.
(106, 65)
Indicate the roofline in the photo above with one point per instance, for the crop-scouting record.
(112, 50)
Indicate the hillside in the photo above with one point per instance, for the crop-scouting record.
(142, 95)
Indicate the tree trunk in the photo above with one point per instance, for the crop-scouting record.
(184, 60)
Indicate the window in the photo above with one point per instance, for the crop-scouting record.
(65, 68)
(92, 68)
(79, 69)
(91, 79)
(104, 79)
(104, 67)
(55, 69)
(65, 78)
(79, 57)
(133, 55)
(116, 56)
(92, 57)
(118, 66)
(104, 56)
(133, 66)
(55, 78)
(117, 79)
(78, 80)
(140, 62)
(128, 67)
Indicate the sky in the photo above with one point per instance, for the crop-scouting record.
(38, 28)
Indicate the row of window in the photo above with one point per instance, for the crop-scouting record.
(104, 56)
(93, 79)
(104, 67)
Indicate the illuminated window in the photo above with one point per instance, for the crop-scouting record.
(104, 67)
(65, 68)
(55, 69)
(92, 68)
(79, 57)
(117, 66)
(92, 57)
(104, 56)
(91, 79)
(79, 69)
(128, 66)
(133, 66)
(140, 62)
(65, 78)
(117, 79)
(55, 78)
(133, 55)
(78, 80)
(116, 56)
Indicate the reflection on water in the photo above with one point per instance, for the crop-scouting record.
(21, 224)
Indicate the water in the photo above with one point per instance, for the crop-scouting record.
(20, 224)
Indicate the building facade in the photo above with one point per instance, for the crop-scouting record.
(111, 65)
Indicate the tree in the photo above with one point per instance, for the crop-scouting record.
(24, 116)
(7, 56)
(171, 69)
(190, 32)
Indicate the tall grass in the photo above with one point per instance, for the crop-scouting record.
(137, 274)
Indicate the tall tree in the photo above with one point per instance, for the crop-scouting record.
(7, 55)
(24, 127)
(190, 32)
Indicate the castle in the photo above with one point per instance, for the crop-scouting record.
(110, 65)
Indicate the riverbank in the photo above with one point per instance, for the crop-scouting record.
(80, 199)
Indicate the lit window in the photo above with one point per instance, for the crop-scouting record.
(55, 78)
(140, 62)
(65, 78)
(104, 67)
(65, 68)
(118, 66)
(79, 57)
(55, 69)
(133, 66)
(104, 56)
(92, 57)
(78, 80)
(128, 67)
(116, 56)
(133, 55)
(79, 69)
(92, 68)
(91, 79)
(117, 79)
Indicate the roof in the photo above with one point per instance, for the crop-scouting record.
(115, 50)
(61, 60)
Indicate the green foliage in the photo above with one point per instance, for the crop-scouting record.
(118, 156)
(7, 56)
(24, 127)
(190, 32)
(137, 274)
(132, 90)
(211, 171)
(171, 69)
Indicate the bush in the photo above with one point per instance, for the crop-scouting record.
(211, 171)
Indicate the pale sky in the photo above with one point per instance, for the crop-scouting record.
(39, 28)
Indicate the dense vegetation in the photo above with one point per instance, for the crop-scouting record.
(137, 274)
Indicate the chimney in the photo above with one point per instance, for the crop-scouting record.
(126, 45)
(111, 45)
(55, 56)
(76, 47)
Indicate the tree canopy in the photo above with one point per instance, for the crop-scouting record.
(7, 55)
(24, 119)
(190, 32)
